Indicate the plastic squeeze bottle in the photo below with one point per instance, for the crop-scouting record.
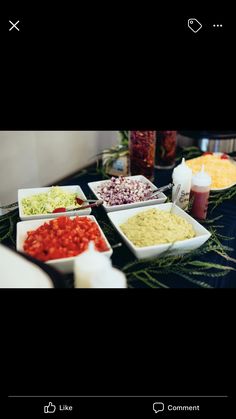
(93, 269)
(89, 264)
(200, 191)
(182, 175)
(110, 278)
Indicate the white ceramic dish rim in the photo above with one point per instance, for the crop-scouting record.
(77, 189)
(164, 245)
(93, 186)
(70, 259)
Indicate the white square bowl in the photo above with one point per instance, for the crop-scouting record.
(178, 248)
(63, 265)
(162, 197)
(25, 193)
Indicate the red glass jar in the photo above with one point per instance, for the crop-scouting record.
(166, 149)
(142, 153)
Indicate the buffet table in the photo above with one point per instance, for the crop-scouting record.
(122, 256)
(195, 271)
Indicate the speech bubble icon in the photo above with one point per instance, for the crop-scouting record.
(158, 407)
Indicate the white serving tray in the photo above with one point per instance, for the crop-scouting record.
(178, 248)
(162, 197)
(25, 193)
(64, 265)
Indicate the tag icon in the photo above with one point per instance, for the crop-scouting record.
(194, 25)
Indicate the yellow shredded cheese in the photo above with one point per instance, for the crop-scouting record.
(222, 172)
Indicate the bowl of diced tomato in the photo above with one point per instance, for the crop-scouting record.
(58, 241)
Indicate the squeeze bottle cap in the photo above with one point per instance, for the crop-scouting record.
(202, 178)
(182, 169)
(92, 260)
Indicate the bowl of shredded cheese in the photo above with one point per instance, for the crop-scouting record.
(39, 203)
(219, 166)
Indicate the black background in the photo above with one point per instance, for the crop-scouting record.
(97, 67)
(117, 69)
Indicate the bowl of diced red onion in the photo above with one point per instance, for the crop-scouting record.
(126, 192)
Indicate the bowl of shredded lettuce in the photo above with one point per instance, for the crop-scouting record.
(38, 203)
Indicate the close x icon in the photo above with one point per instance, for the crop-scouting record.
(14, 25)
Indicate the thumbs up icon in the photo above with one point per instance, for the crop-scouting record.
(50, 408)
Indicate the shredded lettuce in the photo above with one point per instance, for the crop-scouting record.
(46, 203)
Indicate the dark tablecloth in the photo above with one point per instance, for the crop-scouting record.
(123, 255)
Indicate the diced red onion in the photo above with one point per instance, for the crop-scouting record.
(120, 191)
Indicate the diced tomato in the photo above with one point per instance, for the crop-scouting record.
(63, 238)
(59, 210)
(224, 157)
